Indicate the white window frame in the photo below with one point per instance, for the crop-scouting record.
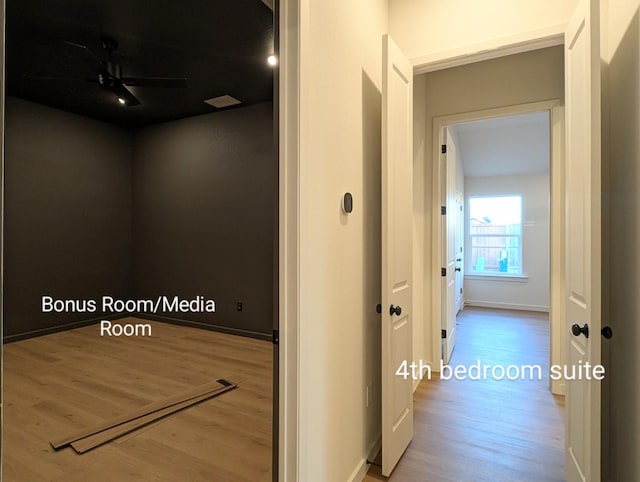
(469, 270)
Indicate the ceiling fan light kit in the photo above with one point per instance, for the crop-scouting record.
(111, 79)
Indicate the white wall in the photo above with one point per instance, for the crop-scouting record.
(339, 260)
(426, 27)
(621, 239)
(517, 79)
(531, 293)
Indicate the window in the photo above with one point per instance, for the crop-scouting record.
(495, 231)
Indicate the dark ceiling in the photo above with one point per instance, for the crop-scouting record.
(220, 46)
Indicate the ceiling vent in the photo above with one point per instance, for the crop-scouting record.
(222, 101)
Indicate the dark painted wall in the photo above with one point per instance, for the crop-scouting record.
(204, 193)
(67, 214)
(184, 208)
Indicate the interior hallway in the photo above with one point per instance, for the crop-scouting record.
(59, 383)
(488, 430)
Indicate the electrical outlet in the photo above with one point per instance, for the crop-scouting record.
(239, 305)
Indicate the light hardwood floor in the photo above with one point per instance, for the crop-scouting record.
(58, 383)
(488, 430)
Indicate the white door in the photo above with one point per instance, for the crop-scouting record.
(459, 249)
(583, 250)
(397, 236)
(449, 255)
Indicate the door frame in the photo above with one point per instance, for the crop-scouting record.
(289, 135)
(556, 224)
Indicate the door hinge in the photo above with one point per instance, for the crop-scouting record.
(444, 333)
(443, 271)
(443, 209)
(276, 337)
(443, 148)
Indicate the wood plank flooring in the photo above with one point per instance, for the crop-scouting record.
(496, 430)
(57, 383)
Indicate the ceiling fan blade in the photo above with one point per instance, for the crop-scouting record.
(85, 48)
(166, 82)
(50, 77)
(123, 93)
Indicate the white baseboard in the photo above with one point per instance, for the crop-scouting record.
(359, 472)
(506, 306)
(363, 466)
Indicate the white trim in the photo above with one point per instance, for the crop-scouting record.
(528, 108)
(506, 306)
(558, 387)
(359, 472)
(363, 466)
(491, 49)
(289, 240)
(554, 107)
(517, 278)
(557, 266)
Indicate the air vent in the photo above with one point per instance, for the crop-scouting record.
(222, 101)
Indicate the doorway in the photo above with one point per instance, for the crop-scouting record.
(495, 217)
(503, 163)
(485, 188)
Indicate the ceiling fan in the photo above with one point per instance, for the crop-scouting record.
(109, 74)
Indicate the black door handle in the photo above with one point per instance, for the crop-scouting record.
(395, 310)
(607, 332)
(577, 330)
(458, 269)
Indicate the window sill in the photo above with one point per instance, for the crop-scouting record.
(509, 278)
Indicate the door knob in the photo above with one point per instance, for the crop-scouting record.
(607, 332)
(458, 269)
(378, 308)
(395, 310)
(577, 330)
